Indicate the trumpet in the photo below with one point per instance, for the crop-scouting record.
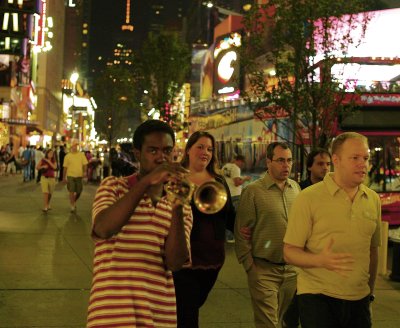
(209, 198)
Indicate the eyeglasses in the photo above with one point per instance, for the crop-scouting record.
(282, 161)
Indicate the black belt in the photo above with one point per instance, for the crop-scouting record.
(279, 263)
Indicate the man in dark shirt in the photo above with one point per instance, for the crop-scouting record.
(318, 165)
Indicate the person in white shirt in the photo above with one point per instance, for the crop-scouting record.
(232, 174)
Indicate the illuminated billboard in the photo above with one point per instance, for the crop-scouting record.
(372, 61)
(226, 65)
(380, 38)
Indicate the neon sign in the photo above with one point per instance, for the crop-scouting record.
(42, 29)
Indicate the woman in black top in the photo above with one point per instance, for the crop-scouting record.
(207, 240)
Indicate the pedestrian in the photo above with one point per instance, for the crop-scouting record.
(11, 163)
(26, 163)
(39, 155)
(61, 156)
(75, 164)
(141, 237)
(263, 209)
(318, 165)
(334, 241)
(207, 240)
(106, 164)
(33, 162)
(47, 167)
(232, 174)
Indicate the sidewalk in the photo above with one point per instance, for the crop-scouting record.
(46, 259)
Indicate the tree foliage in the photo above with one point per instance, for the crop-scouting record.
(165, 63)
(117, 98)
(283, 73)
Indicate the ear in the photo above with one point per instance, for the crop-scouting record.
(335, 159)
(136, 152)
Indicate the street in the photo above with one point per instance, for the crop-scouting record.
(46, 260)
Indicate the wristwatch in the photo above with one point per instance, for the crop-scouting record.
(371, 297)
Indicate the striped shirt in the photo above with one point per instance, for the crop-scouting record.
(131, 286)
(264, 207)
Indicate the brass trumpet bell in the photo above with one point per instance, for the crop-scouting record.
(209, 198)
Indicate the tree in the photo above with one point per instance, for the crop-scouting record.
(118, 100)
(285, 38)
(165, 63)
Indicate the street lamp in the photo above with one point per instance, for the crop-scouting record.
(74, 78)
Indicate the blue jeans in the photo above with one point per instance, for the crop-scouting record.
(321, 311)
(27, 172)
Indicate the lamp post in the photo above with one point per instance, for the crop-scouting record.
(74, 79)
(209, 6)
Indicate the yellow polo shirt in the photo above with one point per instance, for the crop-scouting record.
(75, 163)
(324, 211)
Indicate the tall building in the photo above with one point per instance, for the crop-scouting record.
(49, 59)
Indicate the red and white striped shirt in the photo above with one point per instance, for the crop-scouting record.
(131, 286)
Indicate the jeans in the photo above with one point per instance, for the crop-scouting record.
(27, 172)
(321, 311)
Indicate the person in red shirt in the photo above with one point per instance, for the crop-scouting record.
(47, 167)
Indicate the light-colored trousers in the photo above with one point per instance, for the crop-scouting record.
(272, 287)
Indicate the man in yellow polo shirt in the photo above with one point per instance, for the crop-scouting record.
(333, 235)
(75, 164)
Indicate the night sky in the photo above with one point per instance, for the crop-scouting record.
(107, 19)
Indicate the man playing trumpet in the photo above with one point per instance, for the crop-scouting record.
(141, 236)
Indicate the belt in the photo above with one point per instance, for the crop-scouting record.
(276, 263)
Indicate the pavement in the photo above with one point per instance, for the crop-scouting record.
(46, 267)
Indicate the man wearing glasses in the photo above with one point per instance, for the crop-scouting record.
(260, 226)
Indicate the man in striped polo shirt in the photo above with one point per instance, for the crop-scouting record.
(264, 208)
(141, 237)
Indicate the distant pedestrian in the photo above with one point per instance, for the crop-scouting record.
(11, 164)
(39, 155)
(235, 181)
(333, 236)
(75, 164)
(61, 156)
(26, 162)
(106, 164)
(47, 167)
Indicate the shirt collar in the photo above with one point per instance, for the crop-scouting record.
(269, 182)
(333, 187)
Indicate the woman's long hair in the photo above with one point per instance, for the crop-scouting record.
(213, 166)
(47, 153)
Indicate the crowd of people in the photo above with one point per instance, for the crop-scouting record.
(309, 250)
(310, 255)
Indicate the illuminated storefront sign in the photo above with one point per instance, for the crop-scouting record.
(226, 65)
(42, 29)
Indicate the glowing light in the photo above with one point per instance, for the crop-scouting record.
(128, 26)
(225, 69)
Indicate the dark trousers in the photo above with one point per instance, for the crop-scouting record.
(291, 318)
(192, 288)
(321, 311)
(106, 171)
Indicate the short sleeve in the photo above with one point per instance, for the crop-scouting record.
(299, 222)
(107, 194)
